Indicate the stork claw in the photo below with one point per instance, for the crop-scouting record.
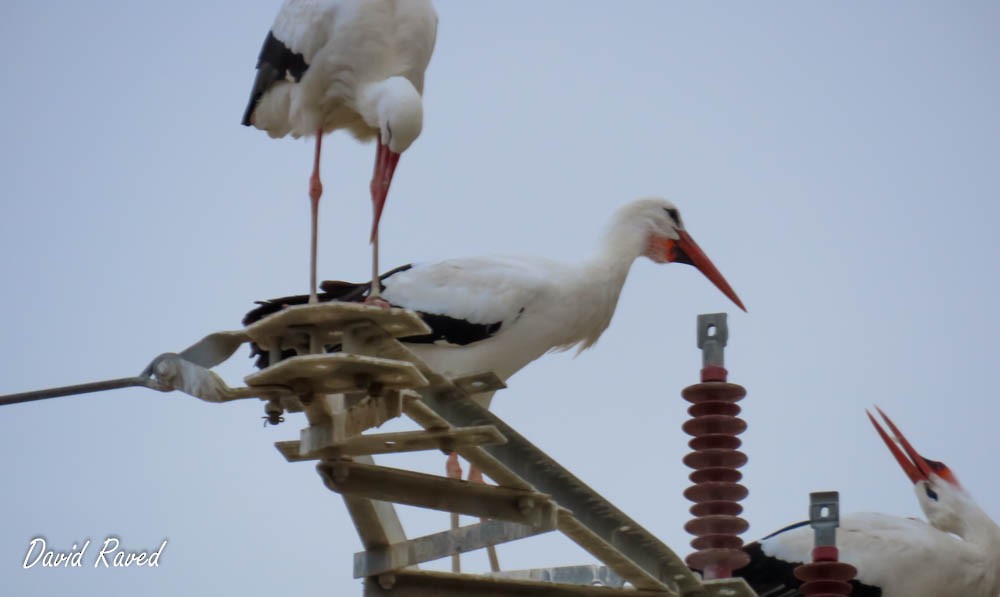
(377, 301)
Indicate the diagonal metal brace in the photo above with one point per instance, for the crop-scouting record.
(440, 545)
(438, 493)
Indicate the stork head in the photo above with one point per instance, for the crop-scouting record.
(399, 113)
(664, 239)
(395, 108)
(940, 495)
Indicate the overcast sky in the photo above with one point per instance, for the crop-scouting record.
(837, 161)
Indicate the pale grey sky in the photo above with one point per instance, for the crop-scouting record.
(837, 161)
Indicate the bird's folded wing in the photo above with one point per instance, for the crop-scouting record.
(485, 291)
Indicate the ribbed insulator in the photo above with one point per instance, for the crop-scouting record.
(714, 425)
(825, 576)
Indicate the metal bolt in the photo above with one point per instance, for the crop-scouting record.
(273, 412)
(387, 581)
(525, 504)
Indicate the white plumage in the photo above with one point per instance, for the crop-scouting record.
(955, 553)
(359, 53)
(501, 313)
(356, 65)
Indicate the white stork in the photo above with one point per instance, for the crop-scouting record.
(955, 553)
(356, 65)
(501, 313)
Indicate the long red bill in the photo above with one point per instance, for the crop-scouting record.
(912, 470)
(926, 465)
(385, 167)
(685, 250)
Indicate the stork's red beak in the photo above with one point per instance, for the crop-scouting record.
(685, 250)
(916, 467)
(385, 167)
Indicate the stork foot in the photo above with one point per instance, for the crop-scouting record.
(377, 301)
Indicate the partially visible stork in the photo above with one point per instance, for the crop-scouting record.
(356, 65)
(955, 553)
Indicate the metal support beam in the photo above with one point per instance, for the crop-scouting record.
(524, 472)
(590, 575)
(440, 545)
(392, 443)
(337, 373)
(322, 324)
(342, 424)
(596, 524)
(442, 584)
(437, 493)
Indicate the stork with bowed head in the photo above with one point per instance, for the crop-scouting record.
(955, 553)
(356, 65)
(501, 313)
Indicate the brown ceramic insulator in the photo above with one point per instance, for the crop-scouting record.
(825, 576)
(714, 426)
(825, 579)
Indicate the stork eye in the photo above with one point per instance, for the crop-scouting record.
(674, 215)
(931, 493)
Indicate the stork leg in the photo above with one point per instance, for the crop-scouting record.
(476, 476)
(374, 295)
(385, 165)
(454, 470)
(315, 192)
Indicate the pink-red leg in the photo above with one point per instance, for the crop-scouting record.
(374, 295)
(454, 470)
(476, 476)
(315, 192)
(385, 167)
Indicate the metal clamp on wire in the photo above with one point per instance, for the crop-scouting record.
(189, 372)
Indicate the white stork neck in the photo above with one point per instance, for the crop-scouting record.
(624, 242)
(394, 107)
(986, 535)
(595, 292)
(979, 529)
(979, 547)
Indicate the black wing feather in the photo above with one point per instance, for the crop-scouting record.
(275, 63)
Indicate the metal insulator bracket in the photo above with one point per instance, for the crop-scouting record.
(825, 576)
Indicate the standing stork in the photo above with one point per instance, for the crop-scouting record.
(955, 553)
(501, 313)
(356, 65)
